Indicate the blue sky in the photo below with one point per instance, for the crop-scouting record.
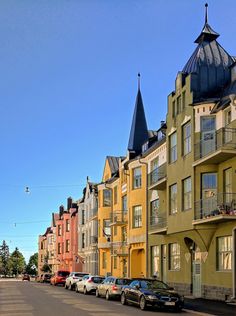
(68, 82)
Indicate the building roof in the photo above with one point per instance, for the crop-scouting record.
(113, 163)
(210, 63)
(139, 132)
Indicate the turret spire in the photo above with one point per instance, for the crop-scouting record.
(139, 81)
(206, 13)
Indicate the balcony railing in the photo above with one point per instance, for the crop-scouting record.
(157, 176)
(120, 248)
(218, 206)
(158, 223)
(119, 217)
(222, 140)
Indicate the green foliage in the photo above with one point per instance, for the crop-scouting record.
(4, 259)
(17, 262)
(32, 265)
(46, 268)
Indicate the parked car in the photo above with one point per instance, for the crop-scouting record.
(59, 277)
(45, 278)
(111, 287)
(144, 292)
(73, 278)
(88, 284)
(26, 277)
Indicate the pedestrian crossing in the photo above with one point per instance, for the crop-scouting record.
(13, 302)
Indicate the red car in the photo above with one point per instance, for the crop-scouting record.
(59, 277)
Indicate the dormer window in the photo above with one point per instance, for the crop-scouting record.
(145, 147)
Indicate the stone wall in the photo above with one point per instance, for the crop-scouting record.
(216, 292)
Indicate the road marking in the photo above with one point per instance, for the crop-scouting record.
(197, 313)
(16, 314)
(12, 301)
(15, 307)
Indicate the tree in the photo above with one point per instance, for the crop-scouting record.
(46, 268)
(4, 259)
(17, 262)
(32, 265)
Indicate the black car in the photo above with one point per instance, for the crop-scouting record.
(144, 292)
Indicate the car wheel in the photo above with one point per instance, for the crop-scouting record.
(66, 287)
(107, 295)
(178, 309)
(97, 293)
(123, 299)
(85, 291)
(76, 289)
(142, 303)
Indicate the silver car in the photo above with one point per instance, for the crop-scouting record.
(111, 287)
(88, 284)
(73, 278)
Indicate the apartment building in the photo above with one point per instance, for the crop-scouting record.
(194, 250)
(88, 228)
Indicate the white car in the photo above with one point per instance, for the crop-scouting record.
(73, 278)
(88, 284)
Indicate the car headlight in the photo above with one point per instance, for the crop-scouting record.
(152, 297)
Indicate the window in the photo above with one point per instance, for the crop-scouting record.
(42, 244)
(124, 203)
(228, 185)
(174, 256)
(145, 147)
(207, 123)
(227, 117)
(179, 109)
(67, 225)
(137, 178)
(83, 240)
(174, 109)
(104, 260)
(59, 248)
(187, 194)
(115, 262)
(183, 100)
(186, 139)
(115, 195)
(155, 263)
(106, 227)
(107, 197)
(154, 212)
(173, 148)
(67, 245)
(173, 199)
(224, 255)
(59, 230)
(137, 216)
(83, 217)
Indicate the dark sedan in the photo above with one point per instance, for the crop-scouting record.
(144, 292)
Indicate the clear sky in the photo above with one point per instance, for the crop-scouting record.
(68, 82)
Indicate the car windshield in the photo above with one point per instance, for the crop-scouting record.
(79, 275)
(97, 279)
(63, 273)
(122, 282)
(154, 285)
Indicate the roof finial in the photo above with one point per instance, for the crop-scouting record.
(206, 13)
(139, 81)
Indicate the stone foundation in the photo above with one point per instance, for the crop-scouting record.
(181, 288)
(216, 293)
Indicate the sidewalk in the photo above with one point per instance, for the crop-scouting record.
(210, 307)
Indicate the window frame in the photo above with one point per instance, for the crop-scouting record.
(186, 139)
(137, 218)
(187, 193)
(173, 201)
(173, 148)
(174, 255)
(219, 252)
(137, 178)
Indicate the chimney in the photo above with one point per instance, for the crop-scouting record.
(61, 211)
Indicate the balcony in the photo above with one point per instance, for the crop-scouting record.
(93, 213)
(218, 208)
(119, 218)
(120, 249)
(158, 224)
(157, 178)
(217, 147)
(93, 240)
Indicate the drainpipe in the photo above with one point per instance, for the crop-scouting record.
(147, 215)
(111, 237)
(234, 263)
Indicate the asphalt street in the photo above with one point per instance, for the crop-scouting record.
(23, 298)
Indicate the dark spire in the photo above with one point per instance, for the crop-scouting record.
(207, 34)
(139, 132)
